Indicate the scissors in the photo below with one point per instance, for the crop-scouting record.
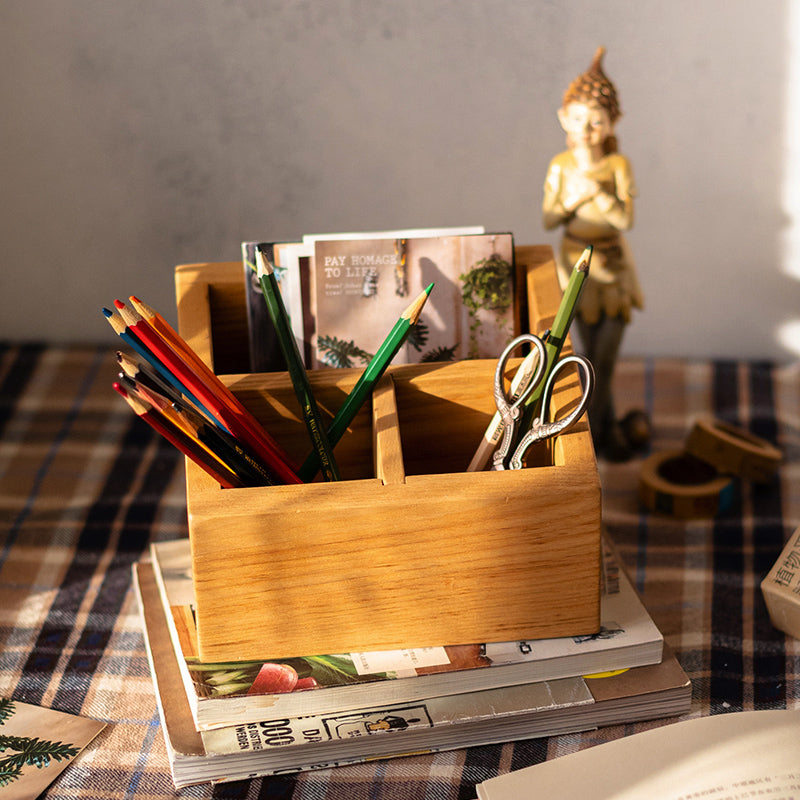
(511, 406)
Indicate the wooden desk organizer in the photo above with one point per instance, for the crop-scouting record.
(408, 550)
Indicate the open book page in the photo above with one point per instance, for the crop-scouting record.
(725, 757)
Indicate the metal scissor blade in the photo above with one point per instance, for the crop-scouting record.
(539, 430)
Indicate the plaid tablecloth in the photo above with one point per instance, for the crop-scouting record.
(85, 486)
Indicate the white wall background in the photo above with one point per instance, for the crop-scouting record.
(139, 135)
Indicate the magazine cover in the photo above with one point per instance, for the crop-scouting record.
(361, 286)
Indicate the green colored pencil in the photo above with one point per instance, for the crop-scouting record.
(558, 334)
(302, 388)
(369, 378)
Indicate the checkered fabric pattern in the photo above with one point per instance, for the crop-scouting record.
(85, 487)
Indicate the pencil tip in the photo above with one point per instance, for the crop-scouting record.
(108, 313)
(585, 259)
(412, 313)
(263, 267)
(119, 304)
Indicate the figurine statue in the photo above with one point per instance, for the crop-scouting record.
(589, 190)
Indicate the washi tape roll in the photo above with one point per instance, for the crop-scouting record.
(733, 451)
(678, 483)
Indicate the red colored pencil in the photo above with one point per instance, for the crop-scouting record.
(171, 336)
(216, 441)
(163, 406)
(214, 396)
(175, 436)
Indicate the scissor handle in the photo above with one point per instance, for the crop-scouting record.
(540, 430)
(510, 407)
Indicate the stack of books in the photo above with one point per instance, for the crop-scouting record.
(239, 720)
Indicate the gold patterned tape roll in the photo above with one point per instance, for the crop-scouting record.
(733, 451)
(680, 484)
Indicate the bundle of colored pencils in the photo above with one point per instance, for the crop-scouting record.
(174, 391)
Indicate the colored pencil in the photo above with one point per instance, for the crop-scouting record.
(145, 411)
(294, 364)
(168, 410)
(217, 441)
(244, 464)
(145, 375)
(557, 335)
(214, 396)
(120, 327)
(369, 378)
(155, 399)
(181, 393)
(172, 337)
